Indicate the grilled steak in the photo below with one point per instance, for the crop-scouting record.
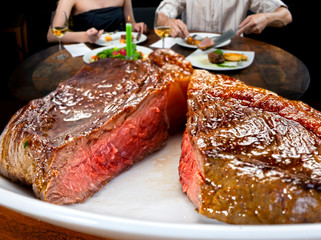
(214, 57)
(100, 122)
(250, 156)
(205, 43)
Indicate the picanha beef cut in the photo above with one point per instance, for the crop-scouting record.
(94, 126)
(250, 156)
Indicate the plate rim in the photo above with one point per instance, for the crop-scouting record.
(104, 225)
(195, 53)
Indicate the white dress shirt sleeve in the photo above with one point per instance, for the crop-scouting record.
(172, 8)
(259, 6)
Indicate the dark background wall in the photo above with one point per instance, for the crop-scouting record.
(297, 38)
(300, 39)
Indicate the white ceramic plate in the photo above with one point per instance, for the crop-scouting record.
(199, 59)
(88, 55)
(146, 202)
(182, 42)
(116, 38)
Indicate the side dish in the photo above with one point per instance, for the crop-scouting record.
(192, 41)
(218, 57)
(117, 53)
(234, 57)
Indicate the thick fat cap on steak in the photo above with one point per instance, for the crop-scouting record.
(250, 156)
(95, 125)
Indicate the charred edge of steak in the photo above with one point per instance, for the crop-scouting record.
(260, 162)
(172, 62)
(228, 87)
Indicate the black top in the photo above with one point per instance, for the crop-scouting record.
(109, 19)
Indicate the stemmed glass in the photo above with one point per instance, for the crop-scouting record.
(59, 26)
(161, 29)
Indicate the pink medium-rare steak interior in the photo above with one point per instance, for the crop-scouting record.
(95, 125)
(190, 169)
(257, 153)
(105, 154)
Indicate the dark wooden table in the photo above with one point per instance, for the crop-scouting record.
(273, 68)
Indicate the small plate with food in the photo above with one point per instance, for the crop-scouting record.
(222, 60)
(109, 39)
(117, 51)
(195, 38)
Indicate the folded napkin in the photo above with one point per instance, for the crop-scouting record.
(169, 42)
(77, 50)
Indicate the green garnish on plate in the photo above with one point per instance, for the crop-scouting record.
(117, 53)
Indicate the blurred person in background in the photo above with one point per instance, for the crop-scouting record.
(220, 15)
(91, 18)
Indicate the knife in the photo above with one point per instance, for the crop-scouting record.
(138, 36)
(224, 37)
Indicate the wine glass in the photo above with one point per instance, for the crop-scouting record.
(59, 26)
(161, 29)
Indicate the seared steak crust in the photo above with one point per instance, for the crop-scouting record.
(250, 156)
(100, 122)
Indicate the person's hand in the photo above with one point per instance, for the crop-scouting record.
(253, 24)
(140, 27)
(93, 35)
(178, 28)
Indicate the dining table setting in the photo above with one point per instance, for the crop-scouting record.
(149, 205)
(267, 66)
